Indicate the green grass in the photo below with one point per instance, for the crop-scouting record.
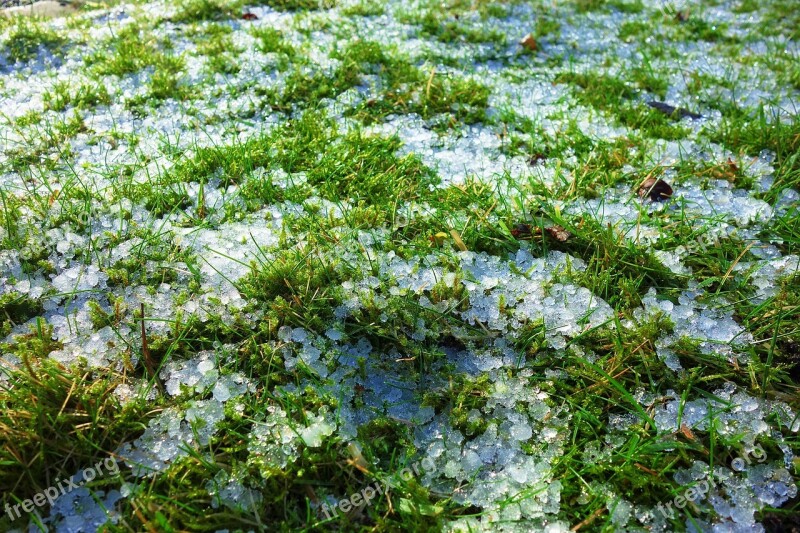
(364, 8)
(447, 30)
(134, 49)
(82, 95)
(615, 96)
(205, 10)
(409, 89)
(746, 134)
(57, 419)
(308, 154)
(297, 5)
(272, 40)
(26, 36)
(130, 50)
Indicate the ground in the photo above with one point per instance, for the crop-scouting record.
(358, 265)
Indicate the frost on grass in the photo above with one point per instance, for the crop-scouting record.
(92, 228)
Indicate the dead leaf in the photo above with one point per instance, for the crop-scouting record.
(558, 233)
(438, 239)
(529, 42)
(249, 16)
(522, 231)
(672, 111)
(687, 432)
(657, 189)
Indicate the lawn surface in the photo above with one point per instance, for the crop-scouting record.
(377, 266)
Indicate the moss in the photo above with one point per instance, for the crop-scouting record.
(297, 288)
(470, 396)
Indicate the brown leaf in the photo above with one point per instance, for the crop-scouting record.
(249, 16)
(558, 233)
(529, 42)
(656, 189)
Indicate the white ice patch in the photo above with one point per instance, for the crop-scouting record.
(765, 276)
(169, 433)
(228, 250)
(704, 320)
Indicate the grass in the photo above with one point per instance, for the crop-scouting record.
(298, 5)
(26, 36)
(614, 95)
(356, 235)
(132, 50)
(448, 30)
(85, 95)
(216, 45)
(205, 10)
(55, 418)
